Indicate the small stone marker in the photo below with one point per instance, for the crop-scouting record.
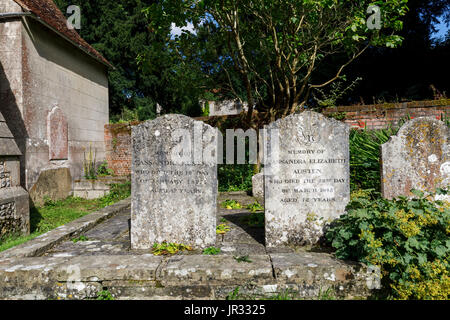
(258, 187)
(174, 182)
(306, 177)
(417, 158)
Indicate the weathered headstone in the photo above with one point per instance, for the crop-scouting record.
(174, 182)
(418, 157)
(306, 177)
(14, 203)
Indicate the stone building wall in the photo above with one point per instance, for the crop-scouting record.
(55, 94)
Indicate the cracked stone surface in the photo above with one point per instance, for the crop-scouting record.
(61, 268)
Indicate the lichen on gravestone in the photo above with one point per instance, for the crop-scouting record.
(307, 175)
(174, 182)
(418, 157)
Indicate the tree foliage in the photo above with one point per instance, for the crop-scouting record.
(120, 31)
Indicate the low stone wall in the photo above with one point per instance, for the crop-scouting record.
(380, 116)
(93, 189)
(131, 277)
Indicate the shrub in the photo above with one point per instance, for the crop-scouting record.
(212, 251)
(235, 177)
(407, 239)
(103, 170)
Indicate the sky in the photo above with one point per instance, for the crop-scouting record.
(442, 30)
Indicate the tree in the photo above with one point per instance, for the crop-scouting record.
(276, 48)
(120, 31)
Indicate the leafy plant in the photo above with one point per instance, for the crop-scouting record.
(117, 192)
(211, 251)
(222, 229)
(242, 259)
(80, 238)
(103, 170)
(365, 154)
(330, 98)
(231, 204)
(408, 239)
(105, 295)
(327, 294)
(234, 295)
(166, 248)
(48, 202)
(89, 164)
(254, 207)
(235, 177)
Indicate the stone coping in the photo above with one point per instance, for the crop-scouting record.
(41, 244)
(180, 277)
(36, 270)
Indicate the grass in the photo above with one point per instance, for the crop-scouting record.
(57, 213)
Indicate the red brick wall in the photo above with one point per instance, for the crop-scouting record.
(118, 136)
(382, 115)
(118, 147)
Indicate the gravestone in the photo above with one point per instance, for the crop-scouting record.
(57, 132)
(306, 177)
(14, 203)
(174, 182)
(418, 157)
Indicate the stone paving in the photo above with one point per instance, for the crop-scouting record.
(56, 267)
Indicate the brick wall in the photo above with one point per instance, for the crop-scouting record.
(118, 136)
(118, 147)
(382, 115)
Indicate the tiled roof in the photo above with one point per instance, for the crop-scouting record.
(49, 13)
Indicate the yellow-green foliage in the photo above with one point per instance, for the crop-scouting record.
(222, 229)
(407, 239)
(166, 248)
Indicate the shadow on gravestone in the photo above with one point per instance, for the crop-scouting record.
(174, 182)
(306, 179)
(416, 158)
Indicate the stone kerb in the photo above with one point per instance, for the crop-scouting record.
(174, 182)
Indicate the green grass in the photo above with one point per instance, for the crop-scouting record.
(57, 213)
